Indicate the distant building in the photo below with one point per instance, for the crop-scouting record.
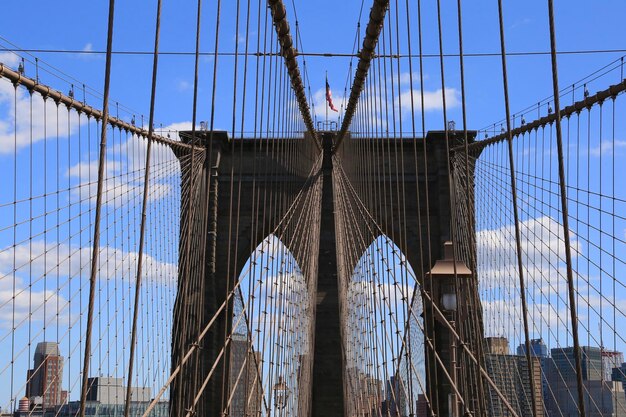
(43, 382)
(619, 374)
(395, 398)
(602, 397)
(105, 398)
(366, 393)
(421, 406)
(537, 348)
(244, 378)
(611, 359)
(497, 345)
(97, 409)
(373, 395)
(107, 390)
(510, 374)
(564, 361)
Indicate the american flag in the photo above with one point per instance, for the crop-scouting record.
(329, 97)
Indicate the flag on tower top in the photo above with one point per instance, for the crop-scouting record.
(329, 97)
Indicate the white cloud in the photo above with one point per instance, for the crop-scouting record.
(405, 78)
(88, 53)
(30, 305)
(176, 127)
(521, 22)
(389, 296)
(182, 85)
(542, 242)
(433, 100)
(382, 120)
(545, 276)
(319, 100)
(9, 58)
(16, 129)
(38, 259)
(503, 318)
(271, 248)
(607, 147)
(124, 173)
(240, 38)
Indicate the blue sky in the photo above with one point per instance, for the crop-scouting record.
(325, 26)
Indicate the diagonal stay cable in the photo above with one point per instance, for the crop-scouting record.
(279, 15)
(144, 206)
(374, 27)
(438, 312)
(96, 233)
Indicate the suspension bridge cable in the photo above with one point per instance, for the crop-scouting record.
(96, 234)
(142, 227)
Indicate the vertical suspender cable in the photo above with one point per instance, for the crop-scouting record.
(196, 363)
(469, 194)
(453, 221)
(188, 225)
(518, 239)
(435, 395)
(565, 215)
(96, 233)
(142, 227)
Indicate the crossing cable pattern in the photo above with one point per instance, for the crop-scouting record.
(54, 140)
(573, 371)
(595, 198)
(254, 340)
(201, 290)
(377, 106)
(385, 182)
(278, 323)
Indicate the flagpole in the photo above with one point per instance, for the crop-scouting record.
(327, 104)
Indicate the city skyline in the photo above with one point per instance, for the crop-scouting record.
(465, 196)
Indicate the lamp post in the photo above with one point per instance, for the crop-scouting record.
(442, 283)
(281, 394)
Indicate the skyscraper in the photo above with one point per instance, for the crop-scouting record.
(44, 380)
(611, 359)
(510, 374)
(537, 348)
(497, 345)
(395, 397)
(244, 378)
(602, 397)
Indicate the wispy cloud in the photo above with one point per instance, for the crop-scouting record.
(36, 260)
(183, 85)
(25, 118)
(608, 147)
(39, 258)
(433, 100)
(405, 78)
(125, 160)
(521, 22)
(319, 101)
(9, 58)
(88, 55)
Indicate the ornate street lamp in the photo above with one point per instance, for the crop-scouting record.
(442, 282)
(281, 394)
